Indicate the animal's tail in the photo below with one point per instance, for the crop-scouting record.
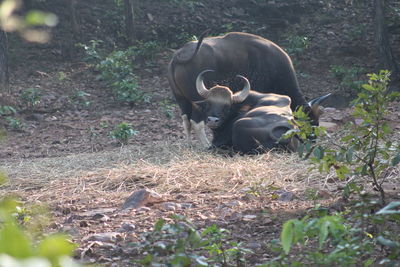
(199, 42)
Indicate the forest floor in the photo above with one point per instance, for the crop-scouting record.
(62, 157)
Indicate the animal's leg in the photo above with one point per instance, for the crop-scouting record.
(187, 127)
(186, 108)
(200, 131)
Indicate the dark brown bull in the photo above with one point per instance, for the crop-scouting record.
(268, 68)
(247, 121)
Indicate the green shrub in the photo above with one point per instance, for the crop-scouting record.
(80, 98)
(352, 238)
(14, 124)
(146, 50)
(349, 78)
(181, 244)
(7, 110)
(117, 70)
(30, 97)
(367, 149)
(168, 108)
(92, 51)
(122, 132)
(297, 45)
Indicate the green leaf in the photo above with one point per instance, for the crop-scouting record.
(54, 247)
(159, 225)
(390, 208)
(387, 242)
(287, 235)
(14, 242)
(300, 150)
(318, 152)
(349, 155)
(368, 87)
(342, 171)
(323, 232)
(396, 159)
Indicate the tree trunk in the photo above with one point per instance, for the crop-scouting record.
(129, 20)
(386, 57)
(4, 75)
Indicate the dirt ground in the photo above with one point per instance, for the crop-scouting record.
(63, 156)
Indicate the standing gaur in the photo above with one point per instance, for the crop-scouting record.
(268, 68)
(247, 121)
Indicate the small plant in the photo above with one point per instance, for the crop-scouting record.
(146, 50)
(349, 78)
(168, 108)
(81, 98)
(357, 32)
(297, 45)
(7, 110)
(116, 70)
(61, 76)
(181, 244)
(31, 97)
(126, 90)
(122, 132)
(91, 51)
(14, 124)
(190, 4)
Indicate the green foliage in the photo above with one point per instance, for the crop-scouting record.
(368, 148)
(17, 248)
(92, 53)
(349, 78)
(168, 108)
(30, 97)
(14, 123)
(122, 132)
(297, 45)
(390, 208)
(117, 70)
(146, 50)
(341, 239)
(181, 244)
(357, 32)
(7, 110)
(189, 4)
(80, 98)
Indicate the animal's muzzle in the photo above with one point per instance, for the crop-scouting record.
(213, 122)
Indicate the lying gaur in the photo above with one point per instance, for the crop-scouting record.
(268, 68)
(246, 121)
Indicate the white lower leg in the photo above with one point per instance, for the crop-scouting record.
(199, 129)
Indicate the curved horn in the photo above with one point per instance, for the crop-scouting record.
(201, 88)
(242, 95)
(318, 100)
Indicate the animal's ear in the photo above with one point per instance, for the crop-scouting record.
(200, 105)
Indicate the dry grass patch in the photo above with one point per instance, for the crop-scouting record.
(164, 167)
